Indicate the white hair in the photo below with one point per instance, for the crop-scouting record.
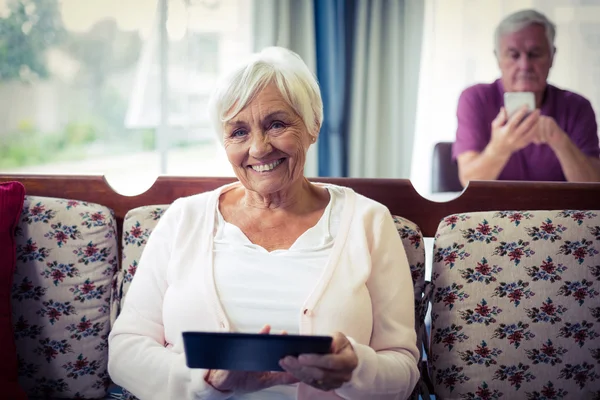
(520, 20)
(277, 65)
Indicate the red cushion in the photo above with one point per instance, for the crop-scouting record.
(12, 195)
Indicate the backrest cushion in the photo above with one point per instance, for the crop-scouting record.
(12, 195)
(412, 239)
(139, 223)
(66, 260)
(516, 309)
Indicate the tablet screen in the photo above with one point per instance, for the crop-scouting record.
(248, 351)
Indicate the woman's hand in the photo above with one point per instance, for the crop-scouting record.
(247, 381)
(324, 372)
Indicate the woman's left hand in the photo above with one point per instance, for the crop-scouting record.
(327, 371)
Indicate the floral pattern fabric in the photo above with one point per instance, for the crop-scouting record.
(412, 239)
(516, 306)
(140, 222)
(66, 260)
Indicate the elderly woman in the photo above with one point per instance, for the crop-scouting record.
(272, 252)
(558, 141)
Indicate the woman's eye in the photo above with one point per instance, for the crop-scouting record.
(238, 133)
(277, 125)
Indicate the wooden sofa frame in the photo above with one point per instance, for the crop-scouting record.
(397, 194)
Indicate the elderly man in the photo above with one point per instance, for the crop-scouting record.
(558, 141)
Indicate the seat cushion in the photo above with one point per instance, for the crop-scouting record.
(11, 204)
(516, 310)
(67, 255)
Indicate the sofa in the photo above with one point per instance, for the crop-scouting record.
(514, 288)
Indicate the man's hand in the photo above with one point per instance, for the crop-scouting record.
(576, 165)
(548, 132)
(515, 133)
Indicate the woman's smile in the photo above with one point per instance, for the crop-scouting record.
(266, 167)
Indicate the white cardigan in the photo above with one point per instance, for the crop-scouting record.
(366, 293)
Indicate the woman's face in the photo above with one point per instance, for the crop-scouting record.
(266, 143)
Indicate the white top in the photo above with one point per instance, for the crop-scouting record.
(257, 287)
(365, 291)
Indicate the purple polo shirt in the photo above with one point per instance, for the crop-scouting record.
(478, 105)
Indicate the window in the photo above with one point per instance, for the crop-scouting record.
(458, 52)
(80, 86)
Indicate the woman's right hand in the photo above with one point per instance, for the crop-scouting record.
(247, 381)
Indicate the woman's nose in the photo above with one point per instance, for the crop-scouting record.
(260, 145)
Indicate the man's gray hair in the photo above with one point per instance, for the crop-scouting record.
(277, 65)
(520, 20)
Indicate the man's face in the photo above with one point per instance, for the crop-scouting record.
(525, 60)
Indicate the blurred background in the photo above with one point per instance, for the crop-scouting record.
(120, 87)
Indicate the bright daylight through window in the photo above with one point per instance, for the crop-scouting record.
(115, 87)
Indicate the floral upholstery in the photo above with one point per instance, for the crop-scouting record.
(516, 308)
(140, 222)
(412, 238)
(137, 226)
(66, 260)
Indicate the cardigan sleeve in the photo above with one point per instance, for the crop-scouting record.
(138, 358)
(387, 367)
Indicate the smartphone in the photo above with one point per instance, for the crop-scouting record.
(513, 101)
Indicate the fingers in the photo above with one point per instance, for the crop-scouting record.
(525, 133)
(342, 356)
(543, 130)
(317, 377)
(518, 117)
(330, 361)
(529, 122)
(339, 342)
(500, 119)
(530, 131)
(281, 378)
(328, 371)
(265, 330)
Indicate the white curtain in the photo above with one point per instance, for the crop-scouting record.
(385, 77)
(458, 52)
(289, 24)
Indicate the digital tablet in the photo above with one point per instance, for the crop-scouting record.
(248, 351)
